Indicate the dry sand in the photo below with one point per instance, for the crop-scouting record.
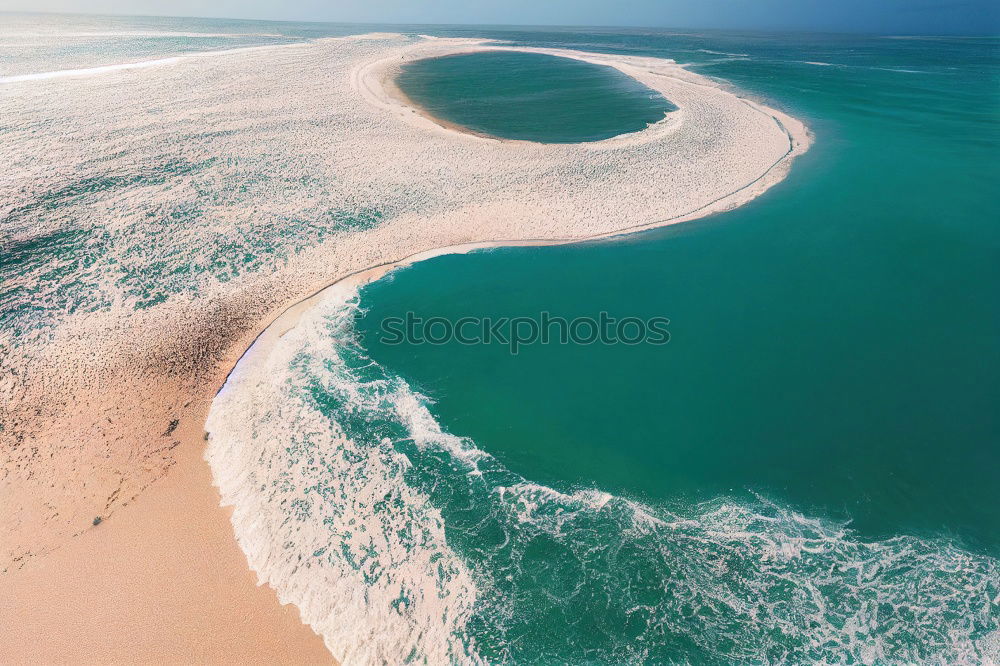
(162, 581)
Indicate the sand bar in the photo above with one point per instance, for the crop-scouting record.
(258, 142)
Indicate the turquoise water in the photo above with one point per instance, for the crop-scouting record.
(834, 354)
(532, 96)
(33, 43)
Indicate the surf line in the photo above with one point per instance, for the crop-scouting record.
(289, 316)
(142, 64)
(88, 71)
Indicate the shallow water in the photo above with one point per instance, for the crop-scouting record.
(532, 96)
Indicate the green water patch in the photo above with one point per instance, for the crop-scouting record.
(531, 96)
(67, 257)
(91, 186)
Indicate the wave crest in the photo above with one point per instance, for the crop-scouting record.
(400, 541)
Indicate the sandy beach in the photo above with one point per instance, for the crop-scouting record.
(161, 582)
(112, 425)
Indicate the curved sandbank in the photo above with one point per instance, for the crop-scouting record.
(375, 81)
(257, 521)
(276, 172)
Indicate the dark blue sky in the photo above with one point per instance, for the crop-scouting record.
(876, 16)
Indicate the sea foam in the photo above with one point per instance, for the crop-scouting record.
(401, 541)
(326, 520)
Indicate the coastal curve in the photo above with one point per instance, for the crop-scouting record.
(717, 151)
(152, 235)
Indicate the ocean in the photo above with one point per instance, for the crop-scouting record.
(805, 473)
(815, 447)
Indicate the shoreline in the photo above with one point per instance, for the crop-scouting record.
(378, 80)
(289, 317)
(387, 76)
(139, 573)
(160, 581)
(388, 82)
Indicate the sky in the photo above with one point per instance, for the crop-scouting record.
(972, 17)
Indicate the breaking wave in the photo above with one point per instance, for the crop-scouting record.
(401, 542)
(88, 71)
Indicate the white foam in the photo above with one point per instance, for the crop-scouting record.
(735, 55)
(319, 114)
(271, 141)
(180, 206)
(88, 71)
(775, 585)
(378, 586)
(151, 34)
(141, 64)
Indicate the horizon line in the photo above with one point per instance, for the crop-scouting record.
(815, 31)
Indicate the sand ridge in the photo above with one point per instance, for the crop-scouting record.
(166, 273)
(242, 450)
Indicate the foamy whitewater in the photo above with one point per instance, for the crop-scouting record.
(400, 542)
